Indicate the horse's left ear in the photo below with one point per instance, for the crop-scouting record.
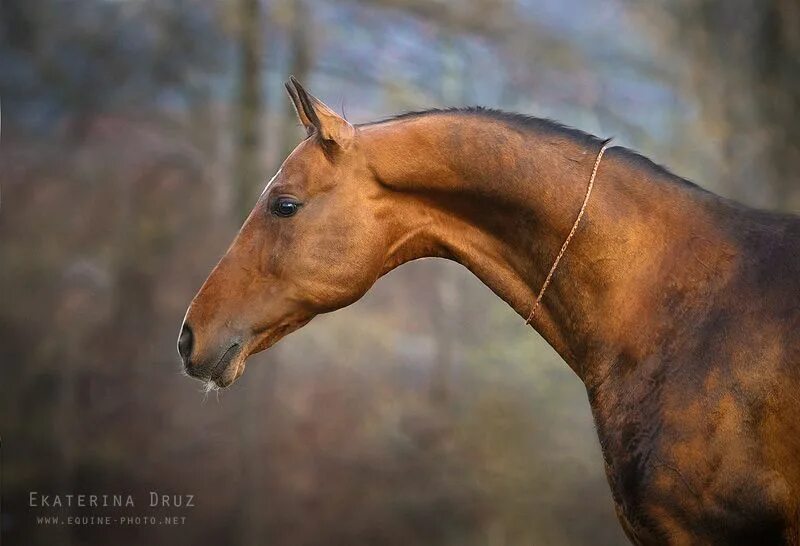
(318, 118)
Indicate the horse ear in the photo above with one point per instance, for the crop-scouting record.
(318, 118)
(298, 106)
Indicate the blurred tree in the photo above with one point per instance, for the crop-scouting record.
(300, 28)
(745, 69)
(249, 106)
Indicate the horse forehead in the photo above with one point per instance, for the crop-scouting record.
(295, 171)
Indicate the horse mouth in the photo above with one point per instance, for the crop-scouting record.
(231, 364)
(225, 372)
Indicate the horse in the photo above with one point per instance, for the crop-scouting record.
(678, 309)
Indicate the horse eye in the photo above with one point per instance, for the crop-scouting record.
(285, 207)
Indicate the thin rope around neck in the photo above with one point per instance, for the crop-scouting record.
(571, 233)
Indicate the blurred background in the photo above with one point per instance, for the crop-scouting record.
(136, 134)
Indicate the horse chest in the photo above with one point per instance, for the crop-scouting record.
(691, 470)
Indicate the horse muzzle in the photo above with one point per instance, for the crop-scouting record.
(222, 365)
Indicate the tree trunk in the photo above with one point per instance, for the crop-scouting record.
(299, 63)
(746, 72)
(249, 107)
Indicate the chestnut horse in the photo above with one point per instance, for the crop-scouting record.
(678, 309)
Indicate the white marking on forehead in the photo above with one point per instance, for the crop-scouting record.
(271, 180)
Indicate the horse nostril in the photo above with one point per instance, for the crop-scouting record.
(185, 341)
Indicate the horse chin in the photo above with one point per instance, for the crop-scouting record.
(235, 368)
(232, 371)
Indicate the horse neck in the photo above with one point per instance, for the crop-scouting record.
(501, 201)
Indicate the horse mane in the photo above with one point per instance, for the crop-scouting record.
(546, 127)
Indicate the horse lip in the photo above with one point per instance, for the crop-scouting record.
(220, 367)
